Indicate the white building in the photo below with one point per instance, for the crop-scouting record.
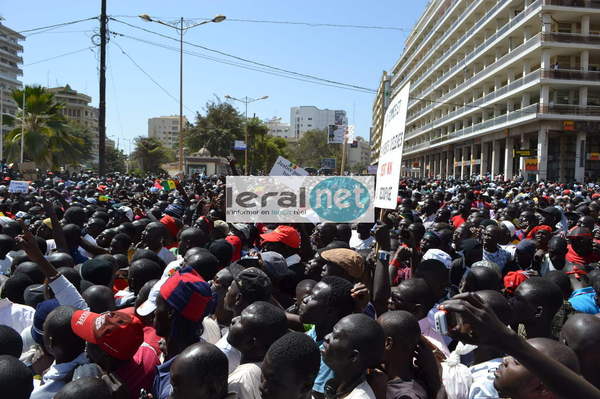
(10, 67)
(166, 130)
(305, 118)
(358, 152)
(278, 128)
(492, 76)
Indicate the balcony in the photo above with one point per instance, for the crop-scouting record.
(571, 74)
(573, 3)
(571, 38)
(568, 109)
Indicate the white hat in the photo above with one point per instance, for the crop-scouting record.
(149, 304)
(439, 255)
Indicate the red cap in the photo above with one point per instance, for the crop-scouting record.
(119, 334)
(188, 293)
(513, 279)
(566, 192)
(171, 224)
(284, 234)
(595, 195)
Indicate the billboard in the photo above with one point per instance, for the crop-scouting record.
(328, 163)
(335, 134)
(390, 153)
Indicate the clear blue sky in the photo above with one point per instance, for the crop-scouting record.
(356, 56)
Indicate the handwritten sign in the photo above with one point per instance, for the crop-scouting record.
(18, 186)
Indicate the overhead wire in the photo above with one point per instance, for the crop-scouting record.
(59, 56)
(58, 25)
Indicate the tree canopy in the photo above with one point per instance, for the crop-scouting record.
(150, 154)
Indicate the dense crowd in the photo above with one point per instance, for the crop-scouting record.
(122, 287)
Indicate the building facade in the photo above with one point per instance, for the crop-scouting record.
(166, 130)
(359, 153)
(10, 67)
(278, 128)
(380, 105)
(305, 118)
(503, 88)
(77, 108)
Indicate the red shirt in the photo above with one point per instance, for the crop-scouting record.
(139, 372)
(458, 221)
(574, 257)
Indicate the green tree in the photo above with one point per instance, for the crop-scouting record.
(150, 154)
(50, 140)
(115, 160)
(313, 147)
(216, 130)
(263, 148)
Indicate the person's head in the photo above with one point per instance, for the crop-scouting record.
(99, 270)
(72, 234)
(11, 342)
(16, 379)
(120, 244)
(86, 387)
(59, 339)
(31, 269)
(557, 250)
(581, 333)
(355, 344)
(442, 215)
(329, 301)
(7, 244)
(430, 240)
(515, 381)
(480, 278)
(285, 240)
(154, 235)
(99, 298)
(586, 221)
(436, 275)
(344, 232)
(402, 334)
(290, 367)
(190, 238)
(60, 259)
(491, 236)
(148, 254)
(199, 371)
(142, 271)
(254, 331)
(525, 253)
(412, 295)
(15, 286)
(535, 302)
(75, 215)
(303, 289)
(343, 262)
(562, 280)
(323, 234)
(580, 239)
(248, 286)
(205, 263)
(364, 230)
(95, 226)
(527, 220)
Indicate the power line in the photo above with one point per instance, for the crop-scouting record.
(249, 61)
(309, 24)
(58, 25)
(60, 56)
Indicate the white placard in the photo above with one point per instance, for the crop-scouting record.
(283, 167)
(390, 153)
(18, 186)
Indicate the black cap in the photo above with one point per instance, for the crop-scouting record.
(254, 284)
(97, 270)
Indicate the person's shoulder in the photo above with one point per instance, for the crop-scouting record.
(362, 391)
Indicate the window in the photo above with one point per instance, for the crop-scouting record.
(310, 119)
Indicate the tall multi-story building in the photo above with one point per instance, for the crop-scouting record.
(305, 118)
(503, 87)
(10, 67)
(77, 108)
(380, 105)
(277, 128)
(359, 153)
(166, 130)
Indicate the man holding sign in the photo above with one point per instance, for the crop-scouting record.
(390, 154)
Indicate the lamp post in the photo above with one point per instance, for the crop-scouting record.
(246, 101)
(181, 29)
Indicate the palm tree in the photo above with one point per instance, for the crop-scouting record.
(50, 140)
(150, 154)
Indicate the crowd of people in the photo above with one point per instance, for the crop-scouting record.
(121, 287)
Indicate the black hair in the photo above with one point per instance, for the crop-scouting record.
(72, 275)
(33, 270)
(344, 232)
(298, 352)
(15, 286)
(269, 323)
(123, 237)
(543, 292)
(72, 234)
(368, 337)
(498, 303)
(205, 263)
(402, 326)
(143, 270)
(11, 342)
(58, 326)
(122, 260)
(560, 279)
(222, 250)
(16, 379)
(128, 229)
(195, 236)
(61, 259)
(99, 298)
(432, 269)
(485, 278)
(86, 387)
(7, 243)
(210, 367)
(146, 253)
(340, 297)
(42, 244)
(418, 292)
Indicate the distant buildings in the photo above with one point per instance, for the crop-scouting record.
(305, 118)
(358, 153)
(10, 67)
(77, 108)
(278, 128)
(166, 129)
(382, 100)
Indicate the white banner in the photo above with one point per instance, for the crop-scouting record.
(283, 167)
(18, 186)
(390, 153)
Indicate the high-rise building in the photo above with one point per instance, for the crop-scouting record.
(305, 118)
(358, 152)
(382, 100)
(166, 130)
(77, 108)
(503, 87)
(10, 67)
(278, 128)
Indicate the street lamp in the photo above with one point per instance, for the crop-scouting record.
(246, 101)
(181, 29)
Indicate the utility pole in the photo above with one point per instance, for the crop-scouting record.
(181, 96)
(102, 95)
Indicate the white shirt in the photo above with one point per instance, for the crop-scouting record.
(16, 316)
(483, 379)
(172, 267)
(234, 356)
(245, 381)
(212, 331)
(57, 376)
(5, 265)
(91, 240)
(66, 294)
(358, 244)
(166, 255)
(362, 391)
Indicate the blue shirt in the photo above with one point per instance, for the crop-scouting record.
(162, 381)
(584, 300)
(325, 373)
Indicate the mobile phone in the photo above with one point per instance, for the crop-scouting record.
(249, 261)
(441, 321)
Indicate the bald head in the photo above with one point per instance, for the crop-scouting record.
(581, 333)
(201, 370)
(100, 298)
(401, 326)
(557, 351)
